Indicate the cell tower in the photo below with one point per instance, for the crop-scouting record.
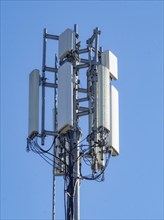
(98, 101)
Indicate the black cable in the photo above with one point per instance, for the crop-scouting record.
(98, 175)
(34, 146)
(69, 152)
(41, 154)
(44, 157)
(49, 147)
(37, 149)
(87, 161)
(85, 152)
(78, 145)
(43, 151)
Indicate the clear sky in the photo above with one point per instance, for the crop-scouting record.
(133, 186)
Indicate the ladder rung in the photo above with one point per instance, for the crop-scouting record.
(84, 61)
(51, 133)
(81, 66)
(83, 109)
(52, 37)
(83, 99)
(50, 85)
(83, 113)
(86, 50)
(82, 90)
(51, 69)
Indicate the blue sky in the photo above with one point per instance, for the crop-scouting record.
(133, 186)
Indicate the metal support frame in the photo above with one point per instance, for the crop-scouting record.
(45, 84)
(54, 86)
(73, 200)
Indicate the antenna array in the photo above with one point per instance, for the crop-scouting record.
(98, 101)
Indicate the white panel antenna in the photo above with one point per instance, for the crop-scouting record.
(103, 110)
(109, 60)
(66, 43)
(103, 98)
(33, 104)
(114, 133)
(65, 97)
